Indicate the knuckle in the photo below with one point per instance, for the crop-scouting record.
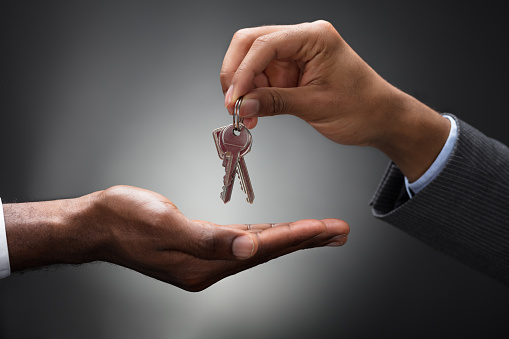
(326, 33)
(117, 190)
(242, 34)
(224, 78)
(275, 103)
(324, 25)
(245, 71)
(263, 42)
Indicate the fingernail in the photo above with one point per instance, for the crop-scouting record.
(337, 240)
(228, 96)
(335, 244)
(243, 247)
(249, 107)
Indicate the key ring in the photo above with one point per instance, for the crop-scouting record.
(237, 120)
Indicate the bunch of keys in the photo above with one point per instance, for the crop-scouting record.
(233, 142)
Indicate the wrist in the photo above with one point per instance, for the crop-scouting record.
(413, 134)
(52, 232)
(85, 228)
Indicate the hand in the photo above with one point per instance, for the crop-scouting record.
(308, 70)
(144, 231)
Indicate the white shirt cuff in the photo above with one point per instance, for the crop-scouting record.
(439, 163)
(5, 267)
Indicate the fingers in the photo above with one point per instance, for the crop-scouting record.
(262, 241)
(298, 43)
(279, 238)
(264, 50)
(239, 47)
(301, 234)
(280, 70)
(239, 241)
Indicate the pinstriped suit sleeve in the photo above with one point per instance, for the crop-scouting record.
(464, 211)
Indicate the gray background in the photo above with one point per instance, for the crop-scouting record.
(98, 93)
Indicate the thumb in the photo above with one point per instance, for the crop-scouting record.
(244, 246)
(211, 241)
(270, 101)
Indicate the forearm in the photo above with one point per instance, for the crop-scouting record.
(51, 232)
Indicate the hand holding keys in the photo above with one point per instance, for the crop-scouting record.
(233, 142)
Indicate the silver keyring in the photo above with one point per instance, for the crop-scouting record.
(237, 120)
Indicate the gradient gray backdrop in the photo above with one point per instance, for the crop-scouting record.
(99, 93)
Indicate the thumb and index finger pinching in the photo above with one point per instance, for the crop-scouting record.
(271, 101)
(240, 76)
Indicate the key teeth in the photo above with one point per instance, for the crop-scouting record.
(226, 181)
(222, 195)
(241, 181)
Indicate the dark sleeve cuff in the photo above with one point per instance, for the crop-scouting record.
(464, 211)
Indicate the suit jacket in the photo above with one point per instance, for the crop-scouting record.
(464, 211)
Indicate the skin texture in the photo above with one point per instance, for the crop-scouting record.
(144, 231)
(309, 71)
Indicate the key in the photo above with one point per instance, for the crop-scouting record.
(220, 147)
(231, 148)
(235, 146)
(226, 193)
(245, 181)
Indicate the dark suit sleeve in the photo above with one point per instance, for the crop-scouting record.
(464, 211)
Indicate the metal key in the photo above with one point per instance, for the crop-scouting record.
(227, 189)
(235, 147)
(245, 181)
(228, 161)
